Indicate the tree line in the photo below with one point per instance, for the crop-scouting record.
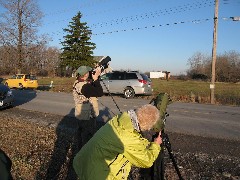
(40, 60)
(227, 67)
(22, 50)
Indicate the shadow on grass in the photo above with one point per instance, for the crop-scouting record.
(60, 164)
(71, 134)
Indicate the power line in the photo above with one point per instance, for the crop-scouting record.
(173, 10)
(57, 33)
(183, 8)
(231, 1)
(161, 25)
(178, 9)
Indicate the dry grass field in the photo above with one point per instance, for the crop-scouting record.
(179, 90)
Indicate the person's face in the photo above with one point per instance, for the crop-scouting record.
(86, 75)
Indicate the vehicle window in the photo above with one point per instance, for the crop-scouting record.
(117, 76)
(105, 76)
(131, 76)
(33, 77)
(145, 77)
(13, 77)
(19, 76)
(27, 76)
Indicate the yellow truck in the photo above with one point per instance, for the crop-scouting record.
(22, 81)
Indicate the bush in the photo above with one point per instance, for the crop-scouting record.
(43, 73)
(199, 77)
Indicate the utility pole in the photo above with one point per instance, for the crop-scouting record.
(214, 54)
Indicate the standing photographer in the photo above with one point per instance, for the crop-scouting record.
(118, 145)
(85, 95)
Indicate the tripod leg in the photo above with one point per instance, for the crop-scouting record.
(158, 168)
(168, 146)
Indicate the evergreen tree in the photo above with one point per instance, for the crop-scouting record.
(77, 48)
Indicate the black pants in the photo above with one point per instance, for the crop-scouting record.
(86, 129)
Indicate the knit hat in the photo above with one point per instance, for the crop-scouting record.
(83, 70)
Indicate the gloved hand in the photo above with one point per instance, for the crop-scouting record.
(97, 73)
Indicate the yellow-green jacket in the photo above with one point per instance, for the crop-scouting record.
(113, 150)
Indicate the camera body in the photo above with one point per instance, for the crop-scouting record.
(103, 64)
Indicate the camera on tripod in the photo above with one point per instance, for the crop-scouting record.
(103, 64)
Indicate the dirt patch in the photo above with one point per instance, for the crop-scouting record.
(41, 146)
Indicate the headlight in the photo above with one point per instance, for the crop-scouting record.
(9, 93)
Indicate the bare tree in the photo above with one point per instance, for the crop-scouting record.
(227, 66)
(18, 26)
(7, 53)
(53, 60)
(196, 63)
(48, 60)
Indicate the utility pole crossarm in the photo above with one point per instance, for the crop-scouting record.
(236, 18)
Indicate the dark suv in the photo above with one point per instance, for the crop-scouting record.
(127, 83)
(6, 96)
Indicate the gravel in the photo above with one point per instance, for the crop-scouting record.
(42, 146)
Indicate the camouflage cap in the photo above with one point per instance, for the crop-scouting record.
(83, 70)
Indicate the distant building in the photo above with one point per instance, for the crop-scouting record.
(160, 74)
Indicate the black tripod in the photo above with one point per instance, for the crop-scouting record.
(158, 170)
(161, 101)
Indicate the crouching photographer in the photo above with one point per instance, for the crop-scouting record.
(118, 145)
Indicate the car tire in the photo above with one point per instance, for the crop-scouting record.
(128, 92)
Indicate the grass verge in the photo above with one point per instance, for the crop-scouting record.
(179, 90)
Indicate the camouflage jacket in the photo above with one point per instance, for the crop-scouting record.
(78, 97)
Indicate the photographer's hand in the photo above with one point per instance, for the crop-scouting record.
(97, 73)
(158, 139)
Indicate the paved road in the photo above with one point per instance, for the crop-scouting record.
(189, 118)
